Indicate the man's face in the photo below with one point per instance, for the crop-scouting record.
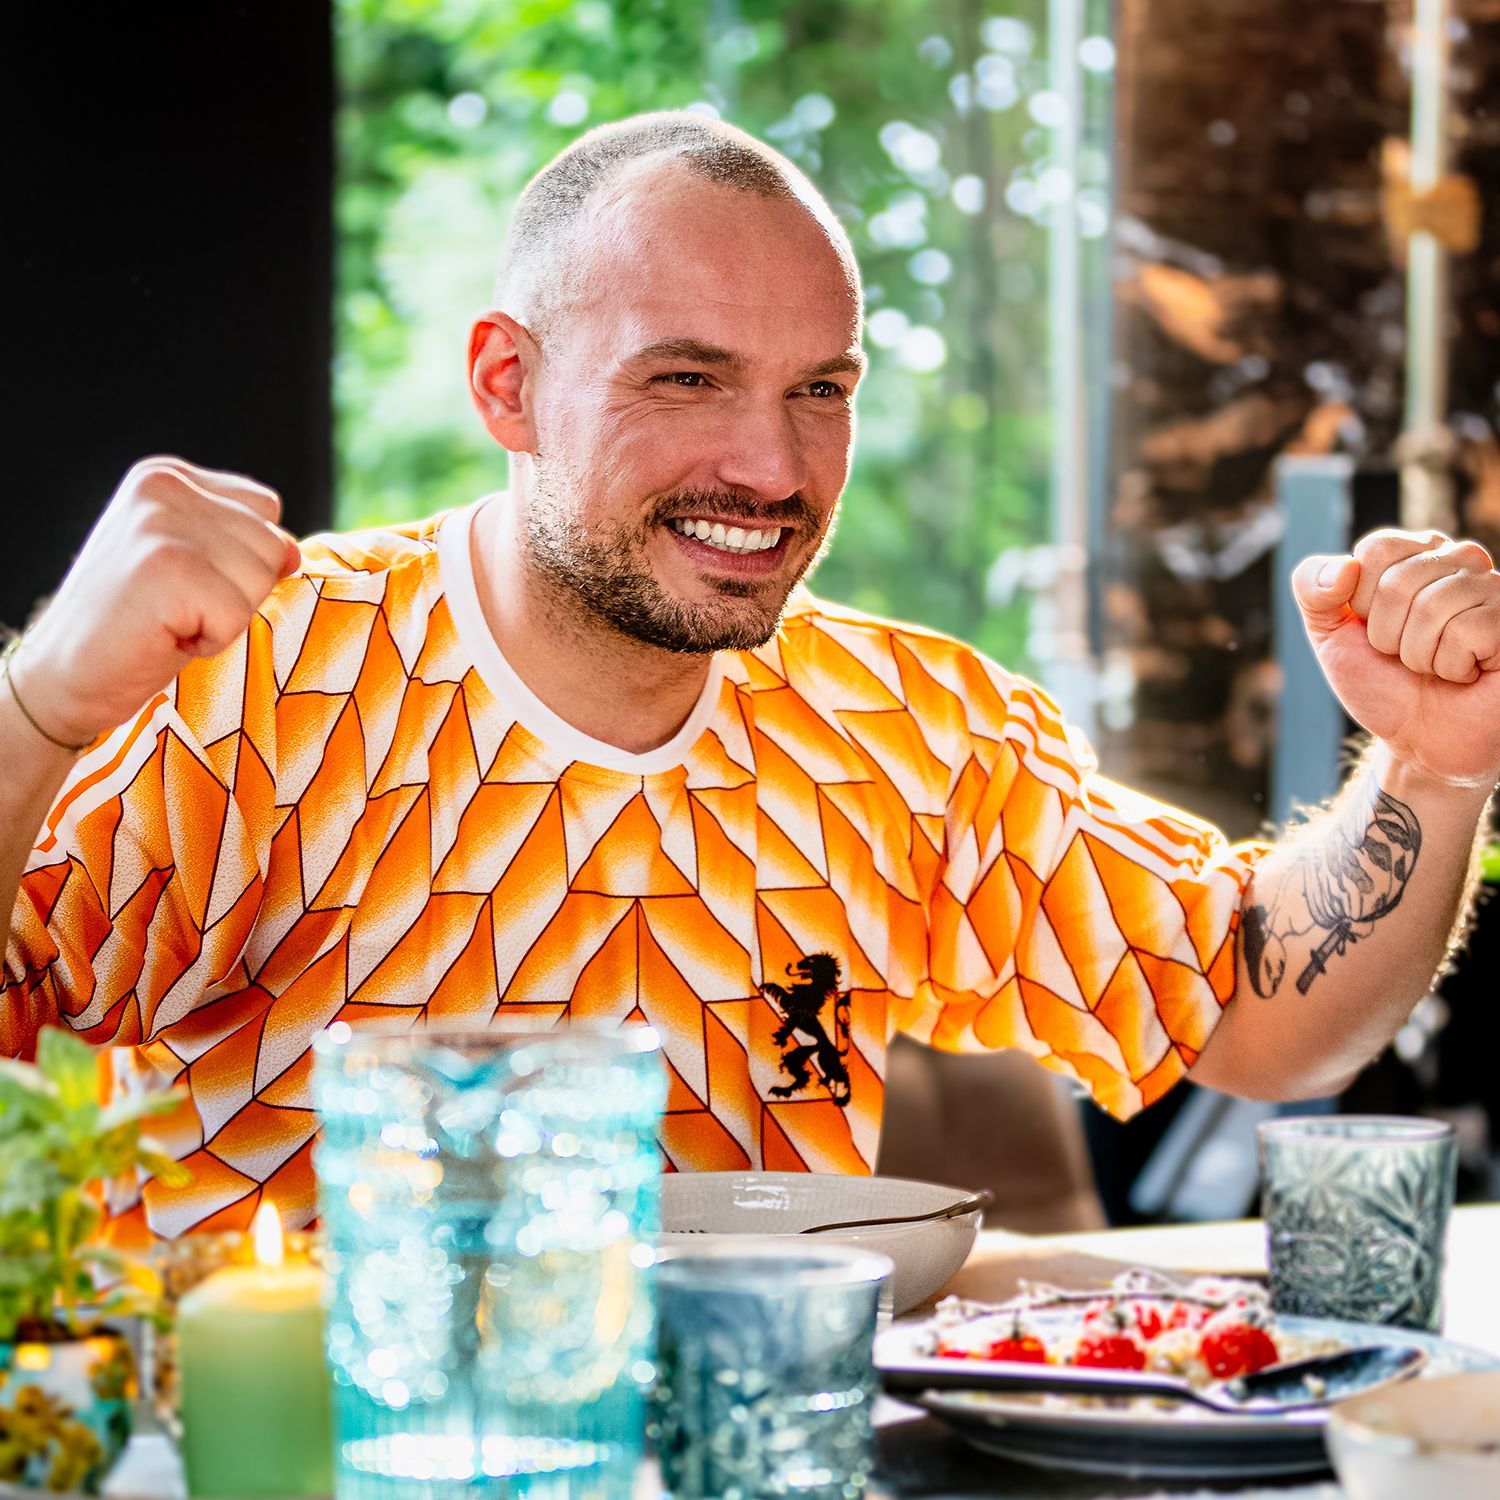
(693, 414)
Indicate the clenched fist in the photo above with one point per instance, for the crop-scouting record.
(175, 568)
(1407, 631)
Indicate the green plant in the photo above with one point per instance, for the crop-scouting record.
(57, 1143)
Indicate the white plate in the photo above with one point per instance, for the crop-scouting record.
(1138, 1437)
(697, 1205)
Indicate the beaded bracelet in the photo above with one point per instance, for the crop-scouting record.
(6, 657)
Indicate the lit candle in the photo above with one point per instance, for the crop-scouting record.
(255, 1385)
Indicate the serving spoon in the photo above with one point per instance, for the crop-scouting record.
(948, 1211)
(1273, 1391)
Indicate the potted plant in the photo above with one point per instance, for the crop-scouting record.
(66, 1377)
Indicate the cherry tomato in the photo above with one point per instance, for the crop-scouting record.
(1149, 1319)
(1024, 1349)
(1101, 1349)
(1237, 1349)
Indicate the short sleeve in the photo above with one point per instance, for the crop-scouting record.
(144, 883)
(1071, 917)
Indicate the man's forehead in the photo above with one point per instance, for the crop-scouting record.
(665, 230)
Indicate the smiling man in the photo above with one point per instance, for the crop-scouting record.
(587, 750)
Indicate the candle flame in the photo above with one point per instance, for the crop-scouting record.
(265, 1232)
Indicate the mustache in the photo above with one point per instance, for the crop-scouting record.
(735, 505)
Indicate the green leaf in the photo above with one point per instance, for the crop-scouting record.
(25, 1076)
(106, 1258)
(164, 1168)
(71, 1065)
(134, 1107)
(25, 1092)
(28, 1183)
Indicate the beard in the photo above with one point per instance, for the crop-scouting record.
(604, 573)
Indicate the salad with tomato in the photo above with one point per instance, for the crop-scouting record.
(1211, 1329)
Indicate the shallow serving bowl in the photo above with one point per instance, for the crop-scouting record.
(1437, 1438)
(696, 1205)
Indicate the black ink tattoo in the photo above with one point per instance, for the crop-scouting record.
(1357, 875)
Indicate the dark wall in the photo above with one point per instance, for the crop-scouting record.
(167, 259)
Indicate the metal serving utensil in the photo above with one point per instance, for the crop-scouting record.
(949, 1211)
(1295, 1386)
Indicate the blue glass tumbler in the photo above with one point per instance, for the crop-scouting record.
(490, 1202)
(766, 1381)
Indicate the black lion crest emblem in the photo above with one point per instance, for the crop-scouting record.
(814, 1030)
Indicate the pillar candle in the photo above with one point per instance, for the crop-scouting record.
(256, 1405)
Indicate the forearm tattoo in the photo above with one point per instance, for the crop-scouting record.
(1350, 879)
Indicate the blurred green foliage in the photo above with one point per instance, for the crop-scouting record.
(58, 1142)
(918, 118)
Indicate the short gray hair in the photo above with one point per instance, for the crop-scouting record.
(534, 262)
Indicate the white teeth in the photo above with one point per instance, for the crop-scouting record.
(729, 538)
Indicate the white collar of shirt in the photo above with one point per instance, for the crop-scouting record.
(456, 564)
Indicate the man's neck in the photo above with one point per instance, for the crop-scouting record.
(608, 687)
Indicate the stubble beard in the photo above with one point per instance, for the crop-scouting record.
(602, 574)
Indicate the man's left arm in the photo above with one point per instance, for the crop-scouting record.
(1349, 919)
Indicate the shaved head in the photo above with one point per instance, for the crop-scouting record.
(556, 224)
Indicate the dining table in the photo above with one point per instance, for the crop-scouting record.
(922, 1459)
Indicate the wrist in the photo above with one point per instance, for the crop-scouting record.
(1400, 772)
(29, 704)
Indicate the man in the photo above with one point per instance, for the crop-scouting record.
(586, 750)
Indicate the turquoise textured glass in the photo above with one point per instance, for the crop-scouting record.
(1356, 1210)
(765, 1381)
(490, 1202)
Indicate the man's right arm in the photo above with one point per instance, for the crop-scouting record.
(176, 568)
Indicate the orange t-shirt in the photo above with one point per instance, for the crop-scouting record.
(359, 812)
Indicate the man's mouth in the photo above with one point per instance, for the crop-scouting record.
(732, 539)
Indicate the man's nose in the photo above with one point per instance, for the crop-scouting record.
(763, 452)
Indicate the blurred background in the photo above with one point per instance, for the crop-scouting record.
(1161, 297)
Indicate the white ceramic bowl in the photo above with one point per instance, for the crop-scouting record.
(1438, 1438)
(697, 1205)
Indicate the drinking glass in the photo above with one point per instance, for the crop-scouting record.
(490, 1202)
(765, 1380)
(1356, 1210)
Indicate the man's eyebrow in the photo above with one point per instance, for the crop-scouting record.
(851, 362)
(693, 350)
(696, 351)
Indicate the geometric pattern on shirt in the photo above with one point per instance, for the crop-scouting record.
(335, 820)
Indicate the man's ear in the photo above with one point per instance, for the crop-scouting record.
(503, 363)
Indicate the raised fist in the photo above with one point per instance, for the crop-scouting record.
(176, 567)
(1407, 631)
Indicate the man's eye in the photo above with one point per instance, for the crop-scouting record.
(689, 379)
(826, 390)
